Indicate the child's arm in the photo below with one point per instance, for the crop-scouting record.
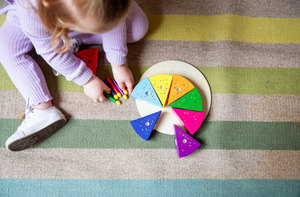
(115, 47)
(67, 64)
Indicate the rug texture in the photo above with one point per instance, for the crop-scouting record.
(248, 50)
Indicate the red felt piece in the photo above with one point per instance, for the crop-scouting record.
(90, 57)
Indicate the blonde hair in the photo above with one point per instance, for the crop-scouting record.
(56, 13)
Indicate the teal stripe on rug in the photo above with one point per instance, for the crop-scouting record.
(138, 188)
(212, 135)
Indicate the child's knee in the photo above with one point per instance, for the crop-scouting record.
(13, 43)
(143, 27)
(137, 23)
(3, 43)
(138, 28)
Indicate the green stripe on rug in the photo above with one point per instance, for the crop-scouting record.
(138, 188)
(2, 19)
(223, 27)
(212, 135)
(221, 79)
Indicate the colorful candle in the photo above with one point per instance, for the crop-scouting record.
(113, 86)
(111, 89)
(111, 98)
(120, 90)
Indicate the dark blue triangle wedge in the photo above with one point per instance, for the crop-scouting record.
(145, 125)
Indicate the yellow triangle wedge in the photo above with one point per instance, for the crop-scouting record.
(161, 84)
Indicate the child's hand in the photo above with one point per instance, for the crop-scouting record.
(123, 77)
(94, 89)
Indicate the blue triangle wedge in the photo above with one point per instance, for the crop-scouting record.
(145, 91)
(145, 125)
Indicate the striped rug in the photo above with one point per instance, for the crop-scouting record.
(249, 51)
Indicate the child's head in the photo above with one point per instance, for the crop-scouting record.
(87, 16)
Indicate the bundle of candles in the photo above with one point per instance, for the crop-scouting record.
(116, 92)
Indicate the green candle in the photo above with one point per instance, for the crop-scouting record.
(112, 98)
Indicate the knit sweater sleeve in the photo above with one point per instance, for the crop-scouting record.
(115, 44)
(65, 63)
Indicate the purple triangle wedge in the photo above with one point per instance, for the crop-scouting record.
(185, 144)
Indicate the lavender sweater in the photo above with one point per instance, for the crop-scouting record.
(114, 42)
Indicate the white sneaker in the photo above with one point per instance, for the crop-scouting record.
(74, 48)
(37, 126)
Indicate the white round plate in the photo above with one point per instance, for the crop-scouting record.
(167, 119)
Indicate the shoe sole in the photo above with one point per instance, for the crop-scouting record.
(37, 137)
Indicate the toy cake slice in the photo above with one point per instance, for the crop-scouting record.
(191, 120)
(185, 144)
(144, 91)
(180, 86)
(190, 101)
(145, 125)
(161, 84)
(90, 58)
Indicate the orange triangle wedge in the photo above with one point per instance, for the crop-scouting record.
(180, 86)
(161, 84)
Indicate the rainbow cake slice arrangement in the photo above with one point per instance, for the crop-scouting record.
(184, 99)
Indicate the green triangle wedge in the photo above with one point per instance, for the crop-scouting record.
(190, 101)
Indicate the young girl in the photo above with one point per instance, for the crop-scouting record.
(52, 27)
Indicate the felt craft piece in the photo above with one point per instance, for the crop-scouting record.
(191, 120)
(180, 86)
(161, 84)
(190, 101)
(145, 91)
(185, 144)
(145, 125)
(90, 58)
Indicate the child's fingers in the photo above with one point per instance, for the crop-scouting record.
(121, 85)
(96, 100)
(129, 87)
(130, 91)
(106, 89)
(102, 98)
